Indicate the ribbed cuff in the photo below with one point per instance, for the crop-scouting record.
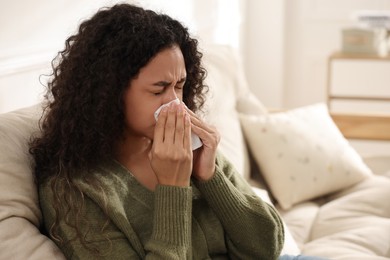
(172, 215)
(223, 196)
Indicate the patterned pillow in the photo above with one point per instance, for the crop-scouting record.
(302, 154)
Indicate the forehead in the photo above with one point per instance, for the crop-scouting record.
(167, 63)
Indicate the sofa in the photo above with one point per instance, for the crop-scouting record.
(333, 202)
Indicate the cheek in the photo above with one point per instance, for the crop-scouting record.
(140, 116)
(135, 115)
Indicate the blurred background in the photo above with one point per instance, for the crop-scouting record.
(294, 52)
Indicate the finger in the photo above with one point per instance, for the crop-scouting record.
(187, 132)
(190, 111)
(179, 135)
(193, 116)
(210, 139)
(202, 133)
(160, 126)
(195, 120)
(170, 125)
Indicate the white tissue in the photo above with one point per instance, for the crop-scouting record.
(196, 142)
(176, 101)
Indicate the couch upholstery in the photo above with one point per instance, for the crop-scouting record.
(20, 215)
(352, 223)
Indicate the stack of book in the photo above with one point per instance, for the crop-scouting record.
(370, 36)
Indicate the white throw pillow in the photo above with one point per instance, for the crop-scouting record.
(302, 154)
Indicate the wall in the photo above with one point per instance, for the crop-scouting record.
(313, 32)
(32, 32)
(263, 50)
(287, 44)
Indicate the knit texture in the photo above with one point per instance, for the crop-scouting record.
(218, 219)
(172, 218)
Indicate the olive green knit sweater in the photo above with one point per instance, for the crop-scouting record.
(218, 219)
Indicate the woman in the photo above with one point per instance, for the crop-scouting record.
(114, 182)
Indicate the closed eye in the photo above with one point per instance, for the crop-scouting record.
(182, 80)
(180, 83)
(164, 84)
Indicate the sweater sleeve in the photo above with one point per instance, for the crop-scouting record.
(171, 235)
(107, 243)
(253, 228)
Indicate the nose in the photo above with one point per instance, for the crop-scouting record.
(170, 95)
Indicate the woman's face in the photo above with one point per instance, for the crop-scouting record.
(159, 82)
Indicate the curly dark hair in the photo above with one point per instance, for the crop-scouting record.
(84, 111)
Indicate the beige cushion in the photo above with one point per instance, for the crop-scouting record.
(302, 154)
(300, 220)
(228, 91)
(20, 215)
(351, 224)
(354, 224)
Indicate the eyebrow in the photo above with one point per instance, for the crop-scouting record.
(167, 83)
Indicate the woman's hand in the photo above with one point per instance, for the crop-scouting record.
(204, 157)
(171, 154)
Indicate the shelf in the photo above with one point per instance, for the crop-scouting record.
(358, 56)
(365, 98)
(358, 81)
(363, 126)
